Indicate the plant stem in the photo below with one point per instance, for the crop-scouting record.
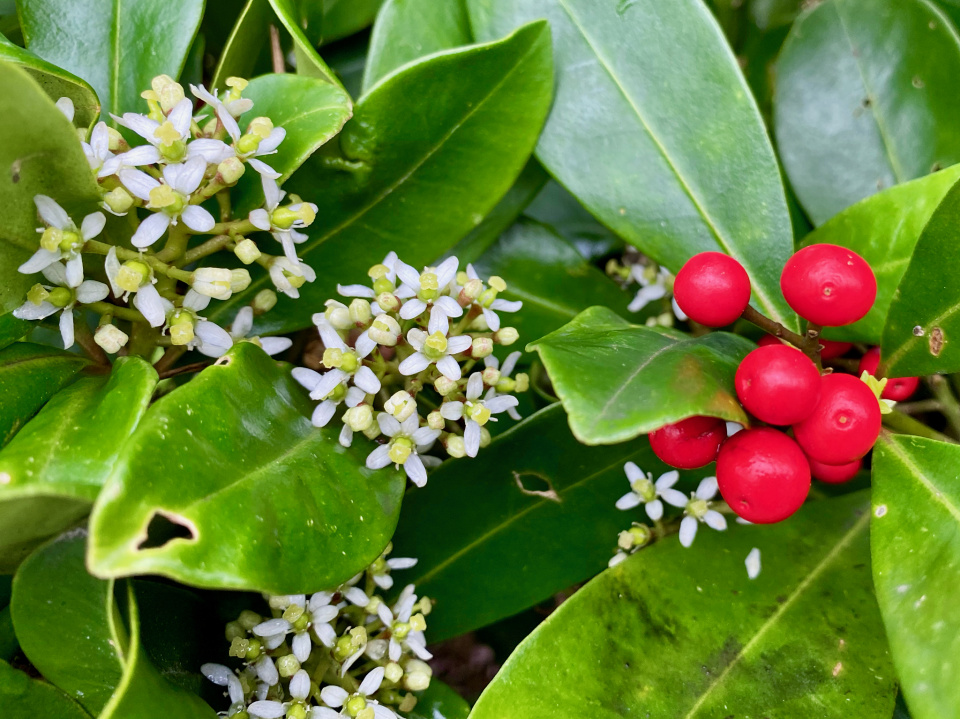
(905, 424)
(124, 313)
(214, 244)
(102, 248)
(920, 406)
(169, 358)
(185, 369)
(276, 51)
(177, 239)
(808, 343)
(949, 406)
(84, 337)
(236, 227)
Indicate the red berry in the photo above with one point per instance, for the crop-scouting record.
(829, 285)
(845, 423)
(712, 288)
(763, 475)
(690, 443)
(770, 340)
(778, 384)
(830, 349)
(834, 474)
(898, 388)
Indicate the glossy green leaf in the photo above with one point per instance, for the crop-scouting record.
(535, 506)
(311, 110)
(407, 30)
(923, 323)
(347, 59)
(29, 376)
(9, 645)
(617, 380)
(55, 81)
(24, 698)
(53, 469)
(866, 99)
(118, 47)
(915, 538)
(884, 230)
(552, 279)
(71, 629)
(345, 17)
(434, 149)
(12, 329)
(652, 126)
(439, 701)
(262, 499)
(39, 154)
(684, 633)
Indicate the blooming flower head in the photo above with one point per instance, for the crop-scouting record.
(288, 276)
(654, 285)
(45, 300)
(644, 490)
(240, 332)
(477, 412)
(62, 240)
(283, 222)
(498, 378)
(426, 289)
(435, 348)
(490, 303)
(697, 509)
(407, 440)
(352, 705)
(406, 628)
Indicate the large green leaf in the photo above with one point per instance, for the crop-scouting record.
(407, 30)
(29, 376)
(676, 632)
(24, 698)
(866, 99)
(617, 380)
(9, 645)
(116, 46)
(884, 230)
(923, 323)
(556, 207)
(55, 466)
(39, 154)
(262, 499)
(439, 701)
(536, 506)
(652, 127)
(345, 17)
(436, 147)
(71, 629)
(915, 540)
(55, 81)
(552, 279)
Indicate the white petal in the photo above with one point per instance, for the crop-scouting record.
(181, 115)
(448, 367)
(300, 683)
(471, 438)
(137, 157)
(139, 183)
(628, 501)
(140, 124)
(65, 105)
(384, 581)
(451, 410)
(346, 436)
(266, 710)
(214, 340)
(331, 338)
(271, 627)
(307, 378)
(449, 306)
(30, 311)
(733, 428)
(325, 614)
(415, 364)
(667, 480)
(753, 563)
(509, 363)
(325, 713)
(388, 424)
(323, 413)
(438, 320)
(707, 488)
(425, 436)
(56, 274)
(275, 345)
(447, 272)
(688, 531)
(334, 696)
(189, 176)
(150, 230)
(365, 379)
(419, 649)
(52, 213)
(38, 261)
(92, 225)
(475, 386)
(379, 458)
(263, 168)
(216, 673)
(92, 291)
(715, 520)
(415, 470)
(493, 321)
(371, 682)
(506, 306)
(401, 563)
(212, 151)
(680, 314)
(349, 661)
(633, 472)
(412, 308)
(356, 291)
(416, 338)
(654, 509)
(147, 300)
(328, 383)
(271, 192)
(326, 634)
(456, 345)
(382, 712)
(269, 145)
(267, 671)
(197, 218)
(242, 323)
(407, 274)
(674, 497)
(501, 403)
(111, 266)
(355, 396)
(364, 345)
(395, 650)
(260, 219)
(301, 646)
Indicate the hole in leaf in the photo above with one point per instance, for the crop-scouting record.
(165, 527)
(223, 362)
(533, 484)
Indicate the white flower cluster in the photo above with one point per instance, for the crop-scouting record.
(340, 653)
(413, 332)
(656, 283)
(188, 157)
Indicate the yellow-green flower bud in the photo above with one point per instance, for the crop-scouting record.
(169, 91)
(248, 252)
(435, 420)
(288, 665)
(445, 386)
(110, 338)
(360, 313)
(385, 331)
(482, 347)
(472, 289)
(408, 703)
(507, 336)
(416, 681)
(248, 620)
(523, 382)
(292, 613)
(118, 200)
(491, 378)
(214, 282)
(239, 280)
(51, 238)
(60, 297)
(401, 405)
(338, 315)
(264, 301)
(115, 141)
(359, 418)
(456, 447)
(231, 170)
(388, 301)
(418, 623)
(393, 672)
(37, 294)
(261, 126)
(234, 631)
(484, 437)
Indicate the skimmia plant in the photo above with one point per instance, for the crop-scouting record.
(434, 359)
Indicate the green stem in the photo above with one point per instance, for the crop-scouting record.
(85, 339)
(235, 227)
(124, 313)
(102, 248)
(940, 388)
(169, 358)
(905, 424)
(212, 245)
(177, 238)
(920, 406)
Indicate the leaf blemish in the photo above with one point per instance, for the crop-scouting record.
(165, 527)
(880, 511)
(548, 493)
(936, 341)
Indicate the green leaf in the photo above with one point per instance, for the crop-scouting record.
(556, 207)
(407, 30)
(345, 17)
(884, 230)
(24, 698)
(54, 467)
(436, 147)
(676, 632)
(9, 645)
(40, 154)
(552, 279)
(618, 380)
(29, 376)
(502, 528)
(915, 538)
(652, 126)
(311, 111)
(118, 47)
(923, 324)
(71, 629)
(439, 701)
(55, 81)
(866, 99)
(261, 499)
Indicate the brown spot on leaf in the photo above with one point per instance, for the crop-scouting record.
(533, 479)
(936, 341)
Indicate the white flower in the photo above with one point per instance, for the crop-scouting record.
(697, 509)
(650, 289)
(435, 348)
(223, 677)
(383, 579)
(617, 558)
(283, 225)
(477, 412)
(62, 240)
(99, 157)
(339, 697)
(331, 388)
(152, 306)
(169, 140)
(299, 688)
(368, 292)
(348, 362)
(504, 372)
(171, 200)
(752, 563)
(288, 276)
(489, 302)
(400, 615)
(61, 298)
(65, 105)
(243, 324)
(645, 490)
(426, 289)
(407, 440)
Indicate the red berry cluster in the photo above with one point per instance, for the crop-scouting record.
(763, 473)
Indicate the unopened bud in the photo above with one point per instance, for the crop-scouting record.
(118, 200)
(445, 386)
(231, 170)
(168, 91)
(248, 619)
(359, 418)
(239, 280)
(388, 302)
(416, 681)
(507, 336)
(393, 672)
(473, 289)
(264, 301)
(385, 331)
(484, 437)
(111, 338)
(522, 382)
(214, 282)
(261, 126)
(234, 631)
(401, 405)
(482, 347)
(360, 313)
(247, 251)
(408, 703)
(435, 420)
(288, 665)
(338, 315)
(456, 447)
(491, 376)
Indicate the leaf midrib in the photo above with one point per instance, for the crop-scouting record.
(115, 59)
(921, 478)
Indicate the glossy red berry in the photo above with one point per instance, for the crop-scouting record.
(763, 475)
(690, 443)
(898, 388)
(834, 474)
(828, 285)
(778, 384)
(845, 423)
(712, 288)
(770, 341)
(831, 350)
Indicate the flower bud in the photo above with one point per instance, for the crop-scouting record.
(385, 331)
(264, 301)
(507, 336)
(131, 275)
(288, 665)
(388, 302)
(456, 447)
(234, 631)
(372, 432)
(360, 313)
(359, 418)
(248, 620)
(491, 376)
(484, 437)
(445, 386)
(261, 126)
(408, 703)
(472, 289)
(231, 170)
(213, 282)
(239, 280)
(168, 91)
(401, 405)
(37, 294)
(435, 420)
(393, 672)
(118, 200)
(116, 141)
(482, 347)
(110, 338)
(523, 382)
(247, 251)
(60, 296)
(338, 315)
(416, 681)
